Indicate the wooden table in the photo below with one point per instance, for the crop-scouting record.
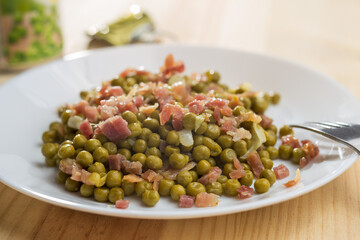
(322, 34)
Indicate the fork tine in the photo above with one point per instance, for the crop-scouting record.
(320, 124)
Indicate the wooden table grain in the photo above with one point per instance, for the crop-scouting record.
(322, 34)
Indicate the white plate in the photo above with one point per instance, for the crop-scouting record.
(28, 104)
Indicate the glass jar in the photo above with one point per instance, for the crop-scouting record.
(29, 33)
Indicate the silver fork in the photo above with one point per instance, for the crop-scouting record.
(346, 133)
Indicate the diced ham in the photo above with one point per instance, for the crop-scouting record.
(91, 113)
(291, 141)
(170, 67)
(67, 165)
(196, 106)
(226, 111)
(177, 115)
(217, 102)
(181, 92)
(265, 121)
(245, 192)
(186, 201)
(107, 111)
(210, 177)
(76, 174)
(295, 181)
(131, 167)
(122, 204)
(163, 96)
(217, 115)
(239, 133)
(148, 109)
(237, 164)
(84, 177)
(149, 175)
(80, 107)
(171, 174)
(132, 178)
(311, 150)
(281, 171)
(227, 124)
(248, 116)
(86, 129)
(255, 163)
(115, 128)
(129, 72)
(115, 91)
(303, 162)
(236, 174)
(127, 106)
(138, 100)
(115, 161)
(204, 199)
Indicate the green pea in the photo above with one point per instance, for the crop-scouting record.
(198, 140)
(165, 187)
(202, 129)
(101, 194)
(125, 144)
(71, 185)
(153, 151)
(267, 162)
(245, 166)
(154, 140)
(92, 144)
(66, 115)
(113, 179)
(275, 98)
(155, 114)
(139, 157)
(102, 138)
(97, 167)
(194, 188)
(79, 141)
(213, 131)
(151, 123)
(201, 152)
(247, 102)
(269, 175)
(212, 161)
(215, 188)
(116, 193)
(129, 116)
(228, 155)
(86, 190)
(84, 158)
(212, 76)
(49, 136)
(61, 177)
(262, 185)
(247, 180)
(230, 187)
(285, 151)
(225, 141)
(240, 147)
(176, 191)
(273, 152)
(110, 147)
(264, 153)
(214, 148)
(139, 146)
(199, 87)
(101, 154)
(128, 187)
(178, 160)
(154, 162)
(145, 133)
(173, 138)
(66, 151)
(286, 130)
(184, 178)
(125, 152)
(297, 154)
(117, 81)
(272, 128)
(222, 179)
(164, 131)
(270, 138)
(170, 150)
(228, 168)
(49, 150)
(56, 126)
(135, 129)
(194, 175)
(150, 198)
(259, 105)
(238, 110)
(189, 121)
(203, 167)
(140, 116)
(66, 142)
(140, 187)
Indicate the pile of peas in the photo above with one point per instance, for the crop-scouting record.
(211, 148)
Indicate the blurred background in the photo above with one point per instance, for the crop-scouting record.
(322, 34)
